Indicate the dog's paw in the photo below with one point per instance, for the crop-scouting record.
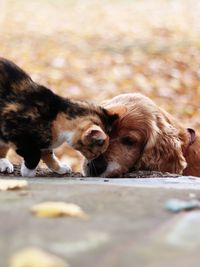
(25, 172)
(6, 166)
(63, 168)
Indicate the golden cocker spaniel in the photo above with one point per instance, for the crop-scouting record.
(145, 137)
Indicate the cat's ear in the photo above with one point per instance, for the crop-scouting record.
(94, 135)
(116, 109)
(114, 112)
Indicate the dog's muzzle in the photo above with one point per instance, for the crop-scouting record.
(96, 166)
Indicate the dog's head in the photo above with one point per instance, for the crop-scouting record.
(144, 137)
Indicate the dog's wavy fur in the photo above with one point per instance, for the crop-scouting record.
(146, 137)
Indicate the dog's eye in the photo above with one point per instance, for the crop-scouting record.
(127, 141)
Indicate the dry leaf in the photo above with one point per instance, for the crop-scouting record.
(33, 257)
(12, 184)
(56, 209)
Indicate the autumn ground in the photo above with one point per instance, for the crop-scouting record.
(94, 50)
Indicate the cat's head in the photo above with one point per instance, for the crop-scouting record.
(91, 136)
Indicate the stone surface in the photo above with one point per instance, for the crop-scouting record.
(128, 224)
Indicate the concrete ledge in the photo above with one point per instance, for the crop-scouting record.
(128, 224)
(182, 182)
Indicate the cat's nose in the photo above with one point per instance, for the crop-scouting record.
(97, 166)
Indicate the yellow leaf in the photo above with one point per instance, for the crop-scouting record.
(12, 184)
(33, 257)
(56, 209)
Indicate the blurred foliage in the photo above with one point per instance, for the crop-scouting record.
(89, 49)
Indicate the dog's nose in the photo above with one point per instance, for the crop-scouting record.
(97, 166)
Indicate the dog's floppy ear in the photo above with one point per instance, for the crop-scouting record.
(163, 151)
(119, 110)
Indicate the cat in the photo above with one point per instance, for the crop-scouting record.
(34, 121)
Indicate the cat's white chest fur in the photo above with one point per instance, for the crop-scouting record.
(66, 136)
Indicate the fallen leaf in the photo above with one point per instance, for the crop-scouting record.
(56, 209)
(34, 257)
(12, 184)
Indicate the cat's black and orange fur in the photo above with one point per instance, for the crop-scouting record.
(34, 120)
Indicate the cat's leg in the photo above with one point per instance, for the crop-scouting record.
(5, 164)
(31, 159)
(53, 163)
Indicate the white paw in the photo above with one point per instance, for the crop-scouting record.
(27, 172)
(6, 166)
(64, 168)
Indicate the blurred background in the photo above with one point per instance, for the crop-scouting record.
(96, 49)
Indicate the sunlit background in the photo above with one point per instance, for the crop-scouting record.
(93, 50)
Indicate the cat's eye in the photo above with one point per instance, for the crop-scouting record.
(99, 142)
(128, 141)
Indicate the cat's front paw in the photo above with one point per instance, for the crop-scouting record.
(63, 168)
(27, 172)
(6, 166)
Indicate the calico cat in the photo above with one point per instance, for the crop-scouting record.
(34, 121)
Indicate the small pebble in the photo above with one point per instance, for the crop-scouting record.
(23, 193)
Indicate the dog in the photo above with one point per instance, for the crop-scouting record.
(145, 137)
